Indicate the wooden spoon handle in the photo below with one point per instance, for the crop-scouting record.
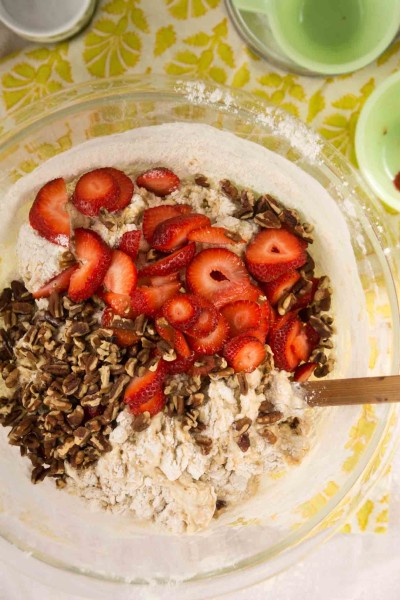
(364, 390)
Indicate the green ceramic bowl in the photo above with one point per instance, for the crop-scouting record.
(378, 140)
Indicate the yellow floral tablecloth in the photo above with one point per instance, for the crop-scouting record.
(195, 38)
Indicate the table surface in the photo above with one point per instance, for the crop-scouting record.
(194, 37)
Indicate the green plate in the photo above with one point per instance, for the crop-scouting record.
(378, 140)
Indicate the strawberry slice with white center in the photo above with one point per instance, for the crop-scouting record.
(49, 216)
(288, 340)
(218, 275)
(244, 353)
(175, 338)
(121, 304)
(152, 217)
(170, 264)
(125, 337)
(142, 388)
(262, 329)
(182, 311)
(273, 252)
(94, 258)
(152, 406)
(95, 190)
(278, 288)
(241, 316)
(173, 233)
(214, 341)
(304, 372)
(216, 236)
(307, 340)
(121, 276)
(125, 185)
(148, 300)
(160, 181)
(207, 320)
(59, 283)
(129, 243)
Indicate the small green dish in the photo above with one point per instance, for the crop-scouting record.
(378, 140)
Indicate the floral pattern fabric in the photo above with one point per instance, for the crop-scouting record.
(195, 38)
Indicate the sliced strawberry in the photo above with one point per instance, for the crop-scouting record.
(121, 304)
(142, 388)
(273, 252)
(129, 243)
(304, 298)
(148, 300)
(160, 181)
(170, 264)
(241, 316)
(95, 190)
(174, 337)
(282, 340)
(158, 280)
(261, 331)
(125, 185)
(304, 372)
(214, 341)
(278, 288)
(182, 311)
(48, 215)
(244, 353)
(218, 275)
(181, 365)
(217, 236)
(152, 217)
(207, 319)
(59, 283)
(124, 337)
(173, 233)
(121, 276)
(306, 341)
(94, 257)
(152, 406)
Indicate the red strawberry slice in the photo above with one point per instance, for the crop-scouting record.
(174, 337)
(306, 342)
(161, 181)
(142, 388)
(262, 329)
(95, 190)
(182, 311)
(207, 319)
(121, 276)
(121, 304)
(285, 339)
(125, 337)
(273, 252)
(217, 236)
(148, 300)
(48, 215)
(214, 341)
(170, 264)
(158, 280)
(278, 288)
(244, 353)
(152, 217)
(218, 275)
(181, 365)
(94, 257)
(304, 372)
(59, 283)
(241, 316)
(152, 406)
(125, 185)
(173, 233)
(306, 297)
(129, 243)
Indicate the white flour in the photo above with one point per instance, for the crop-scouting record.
(160, 475)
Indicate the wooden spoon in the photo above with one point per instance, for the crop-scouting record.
(364, 390)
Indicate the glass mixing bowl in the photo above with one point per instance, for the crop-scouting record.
(102, 555)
